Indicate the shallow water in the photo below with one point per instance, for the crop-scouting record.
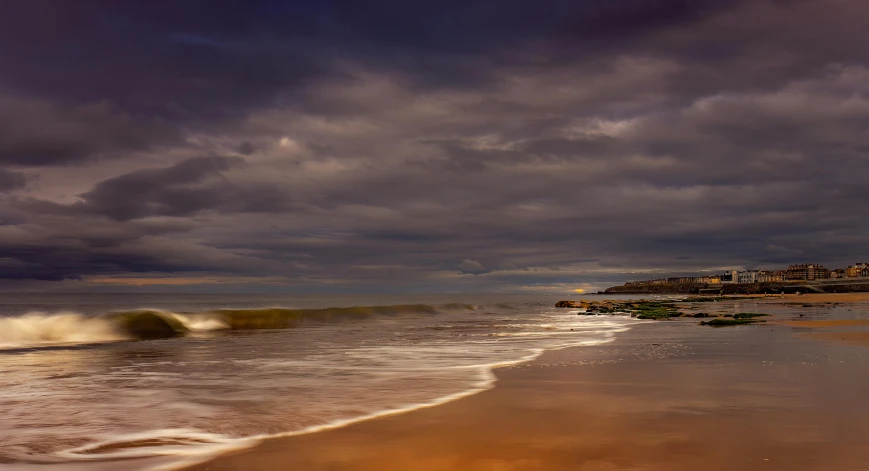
(75, 395)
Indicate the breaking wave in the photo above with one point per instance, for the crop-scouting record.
(40, 329)
(65, 327)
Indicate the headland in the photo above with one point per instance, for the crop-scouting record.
(799, 278)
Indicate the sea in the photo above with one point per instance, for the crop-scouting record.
(163, 381)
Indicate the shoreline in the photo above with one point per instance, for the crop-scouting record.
(488, 382)
(508, 430)
(482, 385)
(209, 463)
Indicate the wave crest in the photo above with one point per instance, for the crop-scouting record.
(280, 318)
(65, 327)
(36, 329)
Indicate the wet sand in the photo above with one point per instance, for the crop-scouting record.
(852, 331)
(827, 323)
(815, 298)
(668, 396)
(853, 338)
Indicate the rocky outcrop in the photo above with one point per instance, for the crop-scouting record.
(641, 309)
(662, 310)
(582, 304)
(567, 304)
(681, 288)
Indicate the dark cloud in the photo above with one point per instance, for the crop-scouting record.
(60, 248)
(183, 189)
(10, 180)
(246, 148)
(55, 260)
(209, 60)
(193, 62)
(35, 132)
(471, 266)
(431, 145)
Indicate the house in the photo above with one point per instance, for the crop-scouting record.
(857, 270)
(681, 280)
(659, 281)
(747, 276)
(730, 276)
(765, 276)
(807, 271)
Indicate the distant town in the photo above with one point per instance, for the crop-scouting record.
(801, 272)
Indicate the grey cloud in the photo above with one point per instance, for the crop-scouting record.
(179, 190)
(581, 142)
(57, 248)
(34, 132)
(59, 260)
(10, 180)
(471, 266)
(246, 148)
(192, 63)
(183, 189)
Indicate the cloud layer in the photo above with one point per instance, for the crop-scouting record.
(481, 146)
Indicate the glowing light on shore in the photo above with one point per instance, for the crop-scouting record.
(579, 290)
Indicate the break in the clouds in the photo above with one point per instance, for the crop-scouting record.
(407, 146)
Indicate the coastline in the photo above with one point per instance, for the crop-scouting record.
(830, 286)
(666, 395)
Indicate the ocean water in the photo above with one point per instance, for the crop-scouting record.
(163, 381)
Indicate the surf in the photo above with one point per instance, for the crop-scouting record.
(43, 329)
(65, 327)
(188, 383)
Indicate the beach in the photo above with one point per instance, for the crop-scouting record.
(788, 394)
(555, 235)
(151, 382)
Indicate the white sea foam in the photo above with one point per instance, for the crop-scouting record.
(189, 447)
(201, 322)
(166, 442)
(37, 328)
(218, 445)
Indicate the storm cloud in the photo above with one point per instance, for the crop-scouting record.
(472, 146)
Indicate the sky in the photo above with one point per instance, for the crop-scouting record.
(445, 146)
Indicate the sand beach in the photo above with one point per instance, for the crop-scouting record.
(788, 394)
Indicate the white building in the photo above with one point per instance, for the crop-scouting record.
(747, 276)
